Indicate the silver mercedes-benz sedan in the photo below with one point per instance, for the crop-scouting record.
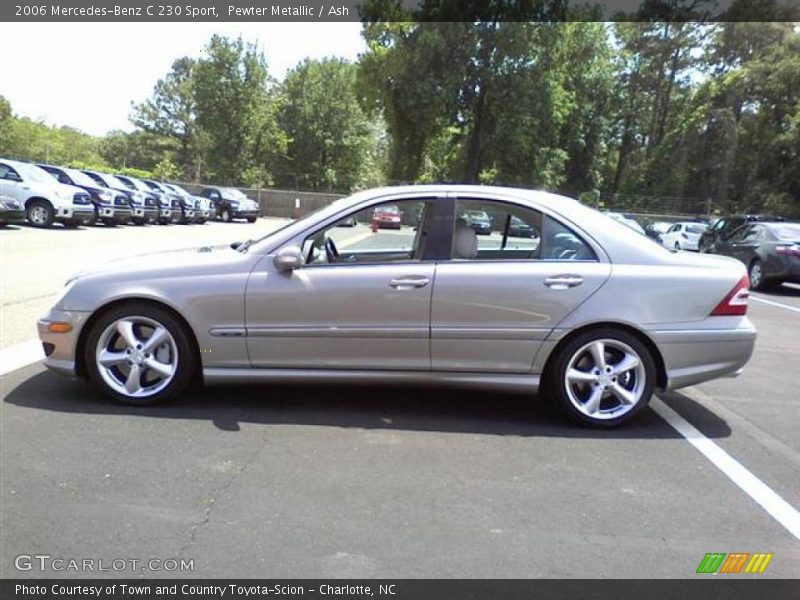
(584, 307)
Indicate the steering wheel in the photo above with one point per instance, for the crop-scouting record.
(331, 253)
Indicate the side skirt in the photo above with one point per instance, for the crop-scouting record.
(496, 381)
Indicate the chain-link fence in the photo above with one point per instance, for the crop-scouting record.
(279, 203)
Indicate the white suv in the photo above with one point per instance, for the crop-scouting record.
(44, 199)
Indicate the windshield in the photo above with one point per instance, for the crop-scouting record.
(34, 173)
(80, 178)
(331, 209)
(233, 194)
(787, 232)
(114, 181)
(177, 189)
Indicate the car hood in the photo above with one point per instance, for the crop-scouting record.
(169, 263)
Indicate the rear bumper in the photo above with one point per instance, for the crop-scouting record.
(693, 356)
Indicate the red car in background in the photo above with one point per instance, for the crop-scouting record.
(387, 217)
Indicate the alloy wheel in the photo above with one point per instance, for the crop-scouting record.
(605, 379)
(136, 356)
(756, 275)
(38, 215)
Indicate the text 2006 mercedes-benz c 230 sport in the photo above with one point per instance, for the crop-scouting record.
(583, 307)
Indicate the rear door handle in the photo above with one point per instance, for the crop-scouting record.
(405, 284)
(562, 282)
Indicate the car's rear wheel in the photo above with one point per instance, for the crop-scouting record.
(139, 354)
(251, 219)
(602, 377)
(40, 213)
(756, 275)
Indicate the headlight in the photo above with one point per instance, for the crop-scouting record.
(234, 205)
(138, 197)
(106, 196)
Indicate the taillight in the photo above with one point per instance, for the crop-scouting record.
(788, 250)
(735, 303)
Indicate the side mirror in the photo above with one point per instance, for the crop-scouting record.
(288, 258)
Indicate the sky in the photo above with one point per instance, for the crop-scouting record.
(86, 75)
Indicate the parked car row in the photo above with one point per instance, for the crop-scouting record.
(45, 194)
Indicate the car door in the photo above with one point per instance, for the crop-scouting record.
(11, 184)
(361, 300)
(725, 244)
(746, 243)
(499, 297)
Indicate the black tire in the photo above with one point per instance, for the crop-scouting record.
(71, 224)
(225, 215)
(251, 219)
(187, 354)
(755, 272)
(556, 387)
(37, 205)
(139, 221)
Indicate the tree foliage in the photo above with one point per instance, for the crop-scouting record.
(665, 113)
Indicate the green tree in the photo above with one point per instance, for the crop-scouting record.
(231, 86)
(171, 112)
(329, 136)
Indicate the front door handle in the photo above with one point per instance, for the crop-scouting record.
(562, 282)
(407, 284)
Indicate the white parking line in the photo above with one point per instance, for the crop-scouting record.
(780, 510)
(20, 355)
(772, 303)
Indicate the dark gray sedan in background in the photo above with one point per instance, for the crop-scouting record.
(771, 251)
(585, 308)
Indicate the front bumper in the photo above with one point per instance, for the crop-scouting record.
(693, 356)
(122, 215)
(81, 213)
(201, 216)
(246, 214)
(60, 348)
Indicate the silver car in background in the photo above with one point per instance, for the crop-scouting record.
(586, 309)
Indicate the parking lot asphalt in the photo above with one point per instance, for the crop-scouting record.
(374, 481)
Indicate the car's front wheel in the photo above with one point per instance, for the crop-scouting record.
(226, 215)
(40, 213)
(602, 377)
(139, 354)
